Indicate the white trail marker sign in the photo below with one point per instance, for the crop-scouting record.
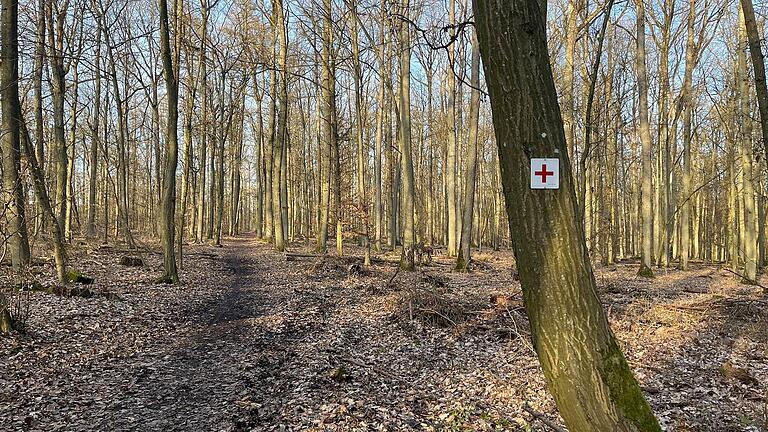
(545, 173)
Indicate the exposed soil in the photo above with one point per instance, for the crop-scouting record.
(251, 341)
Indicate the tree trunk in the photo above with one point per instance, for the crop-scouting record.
(450, 169)
(406, 158)
(380, 121)
(362, 151)
(38, 104)
(646, 252)
(95, 141)
(58, 90)
(464, 259)
(585, 369)
(747, 215)
(686, 99)
(758, 62)
(13, 191)
(200, 231)
(168, 211)
(327, 107)
(279, 201)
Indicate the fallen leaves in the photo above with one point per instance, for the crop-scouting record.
(249, 341)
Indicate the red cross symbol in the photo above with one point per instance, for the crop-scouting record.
(544, 173)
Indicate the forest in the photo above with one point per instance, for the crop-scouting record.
(353, 215)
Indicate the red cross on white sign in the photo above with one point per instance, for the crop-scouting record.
(545, 173)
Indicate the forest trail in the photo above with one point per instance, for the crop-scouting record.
(252, 342)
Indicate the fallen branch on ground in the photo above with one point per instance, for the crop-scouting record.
(542, 418)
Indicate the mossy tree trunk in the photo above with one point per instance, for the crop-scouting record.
(585, 369)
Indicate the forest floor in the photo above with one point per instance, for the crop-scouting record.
(250, 341)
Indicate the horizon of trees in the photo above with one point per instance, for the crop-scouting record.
(370, 122)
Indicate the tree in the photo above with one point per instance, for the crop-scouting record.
(747, 215)
(279, 199)
(464, 258)
(168, 212)
(586, 371)
(10, 138)
(758, 62)
(56, 14)
(406, 157)
(328, 120)
(450, 171)
(646, 217)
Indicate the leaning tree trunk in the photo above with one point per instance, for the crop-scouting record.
(756, 53)
(59, 253)
(586, 371)
(13, 192)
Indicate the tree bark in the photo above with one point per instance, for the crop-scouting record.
(450, 170)
(13, 190)
(747, 215)
(464, 259)
(646, 187)
(686, 100)
(406, 158)
(585, 369)
(758, 63)
(168, 211)
(327, 108)
(279, 201)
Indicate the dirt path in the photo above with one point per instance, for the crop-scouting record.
(251, 342)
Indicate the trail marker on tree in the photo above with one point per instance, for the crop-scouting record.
(545, 173)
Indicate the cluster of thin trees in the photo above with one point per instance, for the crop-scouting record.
(189, 121)
(369, 121)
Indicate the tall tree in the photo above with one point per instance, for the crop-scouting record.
(328, 119)
(406, 156)
(56, 15)
(646, 187)
(10, 136)
(279, 200)
(451, 161)
(585, 369)
(758, 63)
(748, 216)
(686, 100)
(464, 258)
(168, 212)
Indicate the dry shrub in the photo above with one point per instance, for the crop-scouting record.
(430, 305)
(334, 267)
(14, 311)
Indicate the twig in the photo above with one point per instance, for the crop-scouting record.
(542, 418)
(430, 310)
(756, 283)
(393, 276)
